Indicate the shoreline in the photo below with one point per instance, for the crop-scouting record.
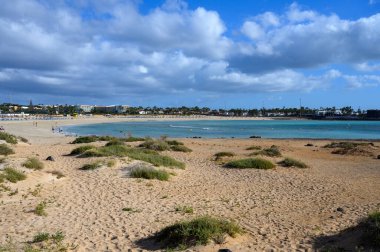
(44, 129)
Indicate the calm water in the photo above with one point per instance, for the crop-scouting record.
(237, 129)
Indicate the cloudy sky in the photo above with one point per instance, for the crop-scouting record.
(216, 53)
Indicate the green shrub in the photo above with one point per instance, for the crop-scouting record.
(346, 145)
(184, 209)
(40, 209)
(254, 147)
(149, 156)
(41, 237)
(155, 158)
(222, 154)
(174, 142)
(149, 173)
(133, 139)
(372, 229)
(273, 151)
(199, 231)
(111, 163)
(115, 142)
(81, 149)
(180, 148)
(9, 138)
(290, 162)
(12, 175)
(344, 148)
(6, 150)
(92, 166)
(85, 139)
(256, 163)
(33, 163)
(157, 145)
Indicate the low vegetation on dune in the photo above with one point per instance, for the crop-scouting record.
(180, 148)
(9, 138)
(157, 145)
(12, 175)
(149, 156)
(2, 160)
(81, 149)
(199, 231)
(273, 151)
(174, 142)
(254, 147)
(91, 139)
(41, 242)
(290, 162)
(149, 173)
(115, 142)
(164, 145)
(133, 139)
(40, 209)
(222, 154)
(250, 163)
(184, 209)
(33, 163)
(92, 166)
(372, 229)
(6, 150)
(351, 148)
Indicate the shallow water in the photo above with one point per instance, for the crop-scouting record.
(235, 128)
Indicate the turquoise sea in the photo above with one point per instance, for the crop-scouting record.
(235, 128)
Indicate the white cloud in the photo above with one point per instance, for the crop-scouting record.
(52, 49)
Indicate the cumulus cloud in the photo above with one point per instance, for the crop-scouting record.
(110, 48)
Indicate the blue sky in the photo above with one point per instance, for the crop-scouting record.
(220, 54)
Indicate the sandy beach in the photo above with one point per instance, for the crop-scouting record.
(283, 209)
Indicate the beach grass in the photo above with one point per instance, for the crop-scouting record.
(6, 150)
(180, 148)
(184, 209)
(33, 163)
(149, 156)
(372, 229)
(174, 142)
(199, 231)
(91, 166)
(250, 163)
(81, 149)
(254, 147)
(111, 163)
(273, 151)
(40, 209)
(115, 142)
(133, 139)
(9, 138)
(350, 148)
(290, 162)
(157, 145)
(222, 154)
(13, 175)
(149, 173)
(91, 139)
